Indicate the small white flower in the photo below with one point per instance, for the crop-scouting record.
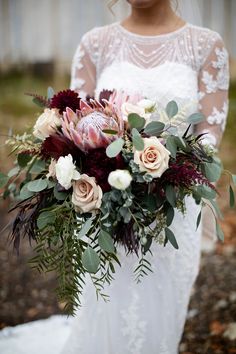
(120, 179)
(128, 108)
(66, 171)
(147, 104)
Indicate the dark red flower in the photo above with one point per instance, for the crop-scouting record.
(66, 98)
(97, 164)
(58, 145)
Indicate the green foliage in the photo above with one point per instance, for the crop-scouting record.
(105, 241)
(90, 260)
(115, 147)
(3, 180)
(154, 128)
(37, 185)
(196, 118)
(144, 267)
(135, 121)
(172, 109)
(137, 140)
(171, 238)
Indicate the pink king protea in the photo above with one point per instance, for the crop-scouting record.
(85, 127)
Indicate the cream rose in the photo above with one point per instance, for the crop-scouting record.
(66, 171)
(47, 123)
(128, 108)
(87, 195)
(154, 158)
(148, 105)
(120, 179)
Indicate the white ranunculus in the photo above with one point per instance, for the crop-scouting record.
(154, 158)
(120, 179)
(147, 104)
(66, 171)
(47, 123)
(128, 108)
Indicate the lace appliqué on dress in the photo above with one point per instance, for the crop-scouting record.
(134, 327)
(218, 117)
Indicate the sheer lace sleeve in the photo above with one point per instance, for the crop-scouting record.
(83, 71)
(213, 93)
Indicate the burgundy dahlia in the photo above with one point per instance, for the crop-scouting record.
(58, 145)
(66, 98)
(97, 164)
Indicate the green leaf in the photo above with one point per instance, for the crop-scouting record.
(135, 121)
(59, 195)
(50, 93)
(110, 131)
(154, 128)
(90, 260)
(125, 213)
(85, 228)
(3, 179)
(206, 192)
(219, 232)
(150, 202)
(212, 171)
(196, 118)
(13, 172)
(37, 167)
(234, 179)
(105, 241)
(170, 216)
(170, 195)
(137, 140)
(171, 145)
(115, 148)
(37, 185)
(50, 183)
(25, 193)
(23, 159)
(231, 197)
(199, 219)
(171, 238)
(172, 109)
(217, 209)
(45, 218)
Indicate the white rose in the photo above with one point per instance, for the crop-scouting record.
(128, 108)
(120, 179)
(47, 123)
(147, 104)
(66, 171)
(154, 158)
(87, 195)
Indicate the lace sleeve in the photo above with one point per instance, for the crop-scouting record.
(213, 93)
(83, 70)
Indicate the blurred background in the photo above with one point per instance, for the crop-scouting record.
(37, 42)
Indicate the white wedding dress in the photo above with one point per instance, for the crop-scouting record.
(189, 65)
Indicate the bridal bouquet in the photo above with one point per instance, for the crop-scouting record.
(95, 175)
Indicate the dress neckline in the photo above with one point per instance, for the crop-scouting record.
(141, 36)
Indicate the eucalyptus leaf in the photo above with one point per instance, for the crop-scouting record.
(170, 216)
(171, 109)
(50, 93)
(105, 241)
(219, 232)
(37, 185)
(23, 159)
(45, 218)
(90, 260)
(110, 131)
(199, 219)
(137, 140)
(196, 118)
(59, 195)
(85, 228)
(37, 167)
(3, 179)
(206, 192)
(171, 238)
(171, 195)
(231, 197)
(25, 193)
(14, 171)
(212, 171)
(217, 209)
(115, 148)
(171, 145)
(154, 128)
(135, 121)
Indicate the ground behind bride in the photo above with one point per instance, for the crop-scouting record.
(25, 296)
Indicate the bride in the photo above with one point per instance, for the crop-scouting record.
(157, 54)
